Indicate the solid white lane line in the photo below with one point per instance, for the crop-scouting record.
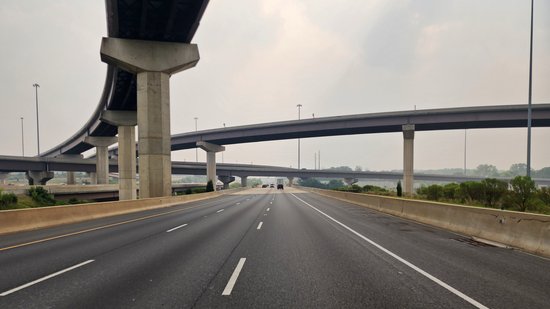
(234, 276)
(267, 209)
(177, 227)
(45, 278)
(402, 260)
(260, 225)
(219, 211)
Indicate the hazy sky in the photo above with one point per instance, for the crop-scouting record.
(259, 58)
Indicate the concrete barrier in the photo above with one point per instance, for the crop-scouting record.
(529, 232)
(18, 220)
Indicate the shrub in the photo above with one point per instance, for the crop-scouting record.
(472, 191)
(209, 186)
(493, 191)
(399, 189)
(434, 192)
(7, 200)
(188, 191)
(41, 196)
(451, 191)
(523, 192)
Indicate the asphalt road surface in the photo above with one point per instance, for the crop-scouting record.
(262, 248)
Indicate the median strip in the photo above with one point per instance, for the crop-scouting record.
(233, 279)
(400, 259)
(45, 278)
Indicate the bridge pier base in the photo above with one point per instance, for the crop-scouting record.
(101, 143)
(226, 181)
(408, 159)
(71, 179)
(125, 121)
(290, 181)
(38, 177)
(211, 150)
(351, 181)
(153, 62)
(3, 178)
(244, 181)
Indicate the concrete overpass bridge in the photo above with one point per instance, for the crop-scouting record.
(226, 172)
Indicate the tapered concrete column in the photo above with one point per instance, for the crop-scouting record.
(3, 178)
(93, 178)
(211, 150)
(244, 181)
(226, 181)
(153, 62)
(102, 156)
(408, 159)
(290, 181)
(125, 122)
(38, 177)
(71, 179)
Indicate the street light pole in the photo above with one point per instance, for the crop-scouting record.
(222, 151)
(530, 92)
(299, 107)
(464, 151)
(22, 139)
(196, 149)
(36, 86)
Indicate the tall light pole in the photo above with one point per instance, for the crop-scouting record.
(222, 151)
(22, 139)
(299, 107)
(530, 92)
(36, 86)
(196, 149)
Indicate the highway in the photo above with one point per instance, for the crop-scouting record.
(263, 248)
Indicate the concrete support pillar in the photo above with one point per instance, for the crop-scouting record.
(408, 159)
(153, 62)
(101, 144)
(71, 179)
(226, 181)
(290, 181)
(211, 150)
(38, 177)
(93, 178)
(3, 178)
(244, 181)
(125, 121)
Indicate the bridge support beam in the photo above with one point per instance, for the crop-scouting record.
(408, 159)
(211, 150)
(125, 121)
(101, 143)
(153, 62)
(244, 181)
(226, 181)
(290, 181)
(39, 177)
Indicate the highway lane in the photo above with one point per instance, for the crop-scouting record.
(295, 250)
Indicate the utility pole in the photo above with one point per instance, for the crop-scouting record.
(299, 107)
(196, 149)
(36, 86)
(529, 112)
(22, 139)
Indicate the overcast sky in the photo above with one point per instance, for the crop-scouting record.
(259, 58)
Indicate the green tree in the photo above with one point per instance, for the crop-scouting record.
(399, 189)
(451, 191)
(486, 170)
(523, 192)
(472, 191)
(335, 184)
(518, 169)
(312, 183)
(493, 191)
(209, 186)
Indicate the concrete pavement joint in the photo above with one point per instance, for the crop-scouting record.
(400, 259)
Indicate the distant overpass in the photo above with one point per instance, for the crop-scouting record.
(22, 164)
